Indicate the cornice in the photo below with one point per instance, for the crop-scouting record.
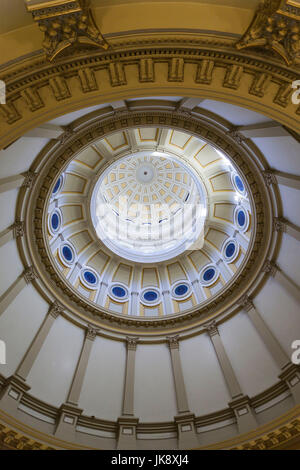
(37, 90)
(16, 435)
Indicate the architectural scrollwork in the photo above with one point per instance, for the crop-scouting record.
(65, 25)
(276, 27)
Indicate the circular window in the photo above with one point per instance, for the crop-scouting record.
(119, 293)
(90, 278)
(209, 275)
(241, 218)
(54, 222)
(150, 296)
(67, 254)
(58, 185)
(230, 250)
(238, 183)
(181, 290)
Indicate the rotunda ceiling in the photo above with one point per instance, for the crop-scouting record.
(149, 222)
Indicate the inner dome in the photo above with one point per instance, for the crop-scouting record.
(149, 207)
(182, 235)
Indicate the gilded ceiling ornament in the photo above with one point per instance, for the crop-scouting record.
(276, 26)
(65, 25)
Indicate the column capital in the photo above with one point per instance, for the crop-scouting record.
(18, 228)
(270, 268)
(55, 309)
(30, 177)
(269, 177)
(236, 135)
(279, 224)
(173, 341)
(246, 303)
(211, 328)
(91, 332)
(132, 342)
(29, 274)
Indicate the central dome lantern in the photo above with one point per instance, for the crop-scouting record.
(149, 207)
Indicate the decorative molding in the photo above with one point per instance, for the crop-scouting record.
(275, 27)
(65, 25)
(237, 442)
(29, 274)
(15, 440)
(142, 65)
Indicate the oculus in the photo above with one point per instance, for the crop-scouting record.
(181, 290)
(150, 296)
(118, 292)
(67, 254)
(230, 250)
(209, 275)
(90, 278)
(136, 212)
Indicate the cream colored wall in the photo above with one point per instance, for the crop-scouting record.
(8, 202)
(11, 266)
(52, 372)
(154, 387)
(250, 358)
(287, 258)
(280, 311)
(18, 157)
(19, 323)
(205, 384)
(102, 391)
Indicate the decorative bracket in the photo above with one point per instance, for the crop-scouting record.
(276, 26)
(65, 24)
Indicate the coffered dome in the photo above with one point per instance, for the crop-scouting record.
(173, 207)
